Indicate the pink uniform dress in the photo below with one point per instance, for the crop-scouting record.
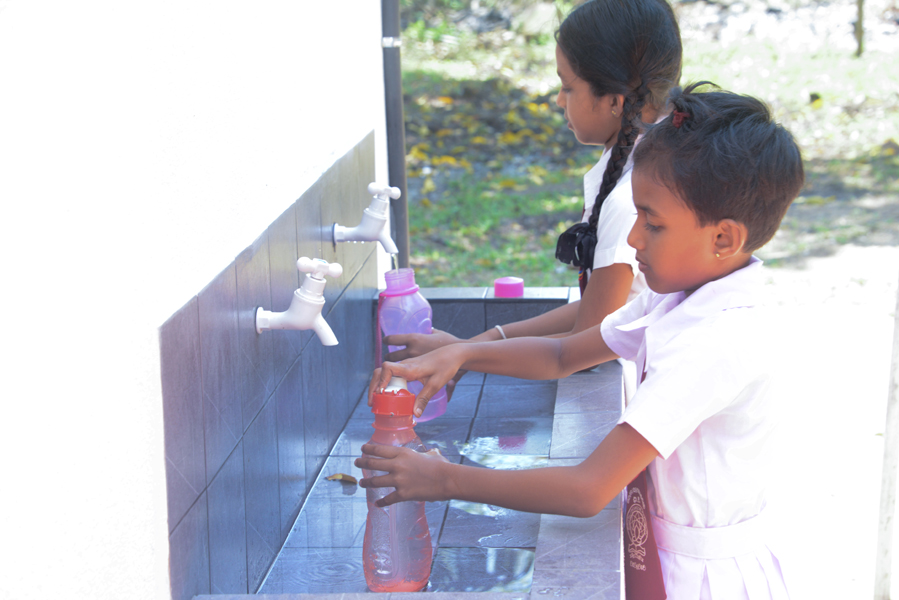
(703, 406)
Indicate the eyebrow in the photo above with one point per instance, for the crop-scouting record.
(649, 211)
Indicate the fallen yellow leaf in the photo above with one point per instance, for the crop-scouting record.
(342, 477)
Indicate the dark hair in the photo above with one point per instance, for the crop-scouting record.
(725, 157)
(628, 47)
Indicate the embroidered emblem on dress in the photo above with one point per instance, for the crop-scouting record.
(637, 527)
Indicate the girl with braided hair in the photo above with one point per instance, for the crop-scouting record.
(617, 60)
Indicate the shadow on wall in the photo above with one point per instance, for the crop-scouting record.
(250, 418)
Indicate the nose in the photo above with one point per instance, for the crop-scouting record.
(559, 102)
(633, 238)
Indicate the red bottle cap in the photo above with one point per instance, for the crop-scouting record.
(396, 403)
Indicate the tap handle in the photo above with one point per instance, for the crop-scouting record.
(318, 268)
(383, 191)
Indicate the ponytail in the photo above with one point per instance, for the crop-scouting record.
(630, 48)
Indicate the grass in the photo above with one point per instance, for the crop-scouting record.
(494, 176)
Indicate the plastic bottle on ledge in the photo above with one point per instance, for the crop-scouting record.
(402, 309)
(396, 551)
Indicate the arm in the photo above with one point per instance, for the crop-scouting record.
(527, 358)
(606, 292)
(579, 491)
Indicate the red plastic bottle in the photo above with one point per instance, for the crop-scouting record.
(396, 551)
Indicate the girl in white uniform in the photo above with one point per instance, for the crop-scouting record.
(616, 62)
(711, 183)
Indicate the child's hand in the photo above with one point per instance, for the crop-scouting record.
(433, 370)
(417, 344)
(415, 475)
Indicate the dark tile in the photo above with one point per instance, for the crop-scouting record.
(228, 528)
(450, 295)
(182, 400)
(291, 447)
(482, 570)
(316, 571)
(462, 319)
(336, 360)
(255, 374)
(344, 190)
(500, 312)
(445, 433)
(337, 522)
(463, 403)
(189, 553)
(285, 280)
(578, 435)
(533, 295)
(577, 584)
(472, 378)
(510, 436)
(534, 399)
(575, 543)
(310, 232)
(360, 331)
(591, 391)
(315, 410)
(260, 455)
(362, 409)
(471, 524)
(219, 359)
(356, 433)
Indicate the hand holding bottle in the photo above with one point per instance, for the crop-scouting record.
(433, 370)
(417, 344)
(414, 475)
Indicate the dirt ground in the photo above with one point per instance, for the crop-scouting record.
(836, 314)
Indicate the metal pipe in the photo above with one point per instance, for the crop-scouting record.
(396, 129)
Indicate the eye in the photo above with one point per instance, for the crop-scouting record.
(651, 228)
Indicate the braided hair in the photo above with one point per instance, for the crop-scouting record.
(627, 47)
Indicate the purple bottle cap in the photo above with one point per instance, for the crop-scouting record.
(508, 287)
(400, 282)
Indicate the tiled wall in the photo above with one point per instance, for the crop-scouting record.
(250, 418)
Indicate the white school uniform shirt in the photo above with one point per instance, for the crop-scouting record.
(703, 406)
(616, 218)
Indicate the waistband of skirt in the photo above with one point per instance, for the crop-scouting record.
(710, 542)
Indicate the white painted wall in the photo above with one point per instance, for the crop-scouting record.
(143, 145)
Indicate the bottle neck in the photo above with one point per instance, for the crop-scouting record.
(393, 422)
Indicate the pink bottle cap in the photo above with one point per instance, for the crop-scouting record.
(508, 287)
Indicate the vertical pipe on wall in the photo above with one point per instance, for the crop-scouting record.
(396, 130)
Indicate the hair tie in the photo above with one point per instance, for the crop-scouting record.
(678, 117)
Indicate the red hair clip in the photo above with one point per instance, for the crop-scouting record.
(677, 118)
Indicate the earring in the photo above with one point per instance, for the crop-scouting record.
(614, 114)
(717, 255)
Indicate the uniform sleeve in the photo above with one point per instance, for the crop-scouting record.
(616, 218)
(687, 382)
(621, 330)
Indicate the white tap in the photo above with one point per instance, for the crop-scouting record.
(305, 311)
(373, 227)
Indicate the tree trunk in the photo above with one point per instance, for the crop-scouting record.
(859, 27)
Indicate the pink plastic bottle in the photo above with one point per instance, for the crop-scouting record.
(402, 309)
(396, 551)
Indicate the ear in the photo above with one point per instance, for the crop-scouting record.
(730, 238)
(616, 103)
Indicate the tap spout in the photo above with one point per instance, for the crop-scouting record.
(373, 226)
(306, 305)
